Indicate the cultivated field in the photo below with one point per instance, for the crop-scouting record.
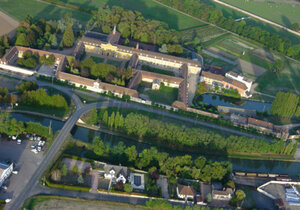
(284, 12)
(148, 8)
(19, 9)
(7, 24)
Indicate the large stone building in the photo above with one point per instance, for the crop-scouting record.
(92, 44)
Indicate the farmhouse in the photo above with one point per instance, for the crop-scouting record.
(116, 173)
(185, 192)
(221, 81)
(5, 172)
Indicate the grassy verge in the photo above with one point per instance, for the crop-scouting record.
(52, 201)
(54, 112)
(156, 70)
(88, 99)
(165, 95)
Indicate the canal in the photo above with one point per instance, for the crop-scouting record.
(87, 135)
(218, 100)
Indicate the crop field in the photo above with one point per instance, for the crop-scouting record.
(204, 34)
(148, 8)
(19, 9)
(284, 12)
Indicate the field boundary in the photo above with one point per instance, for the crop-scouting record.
(257, 17)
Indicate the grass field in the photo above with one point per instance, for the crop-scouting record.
(19, 9)
(97, 59)
(148, 8)
(57, 202)
(165, 95)
(283, 12)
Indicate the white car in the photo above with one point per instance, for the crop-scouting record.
(15, 172)
(19, 141)
(34, 151)
(7, 200)
(39, 148)
(4, 187)
(14, 138)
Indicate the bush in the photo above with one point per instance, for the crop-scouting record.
(128, 188)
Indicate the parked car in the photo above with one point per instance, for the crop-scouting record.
(19, 141)
(14, 137)
(4, 187)
(34, 151)
(7, 200)
(33, 145)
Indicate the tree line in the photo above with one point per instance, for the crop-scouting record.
(286, 105)
(105, 72)
(207, 12)
(143, 127)
(5, 44)
(13, 127)
(160, 162)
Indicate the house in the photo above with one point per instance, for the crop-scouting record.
(5, 172)
(137, 181)
(185, 192)
(221, 193)
(200, 200)
(263, 126)
(116, 173)
(156, 84)
(238, 77)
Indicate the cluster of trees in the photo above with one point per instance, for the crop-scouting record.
(142, 126)
(27, 86)
(44, 34)
(40, 98)
(48, 60)
(4, 45)
(171, 48)
(105, 72)
(132, 25)
(160, 162)
(28, 60)
(286, 105)
(6, 98)
(12, 127)
(206, 11)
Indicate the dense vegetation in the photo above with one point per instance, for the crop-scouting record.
(39, 98)
(132, 25)
(143, 127)
(6, 98)
(4, 45)
(105, 72)
(207, 12)
(286, 105)
(13, 127)
(46, 34)
(28, 60)
(161, 162)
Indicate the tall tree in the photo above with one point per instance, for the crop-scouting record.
(68, 37)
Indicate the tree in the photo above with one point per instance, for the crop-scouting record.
(230, 184)
(111, 120)
(128, 188)
(80, 179)
(64, 170)
(285, 104)
(105, 118)
(277, 66)
(295, 26)
(93, 117)
(54, 43)
(75, 169)
(163, 49)
(99, 147)
(208, 198)
(22, 40)
(200, 162)
(131, 153)
(68, 37)
(239, 196)
(56, 175)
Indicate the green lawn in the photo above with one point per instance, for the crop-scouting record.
(287, 80)
(149, 9)
(256, 60)
(114, 62)
(19, 9)
(165, 95)
(97, 59)
(88, 99)
(283, 12)
(156, 70)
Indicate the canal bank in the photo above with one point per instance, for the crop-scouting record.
(87, 135)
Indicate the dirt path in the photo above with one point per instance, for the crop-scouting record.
(258, 17)
(7, 24)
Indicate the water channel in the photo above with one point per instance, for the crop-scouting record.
(217, 100)
(87, 135)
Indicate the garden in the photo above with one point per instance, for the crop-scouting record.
(157, 70)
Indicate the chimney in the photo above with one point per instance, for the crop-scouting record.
(115, 30)
(137, 46)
